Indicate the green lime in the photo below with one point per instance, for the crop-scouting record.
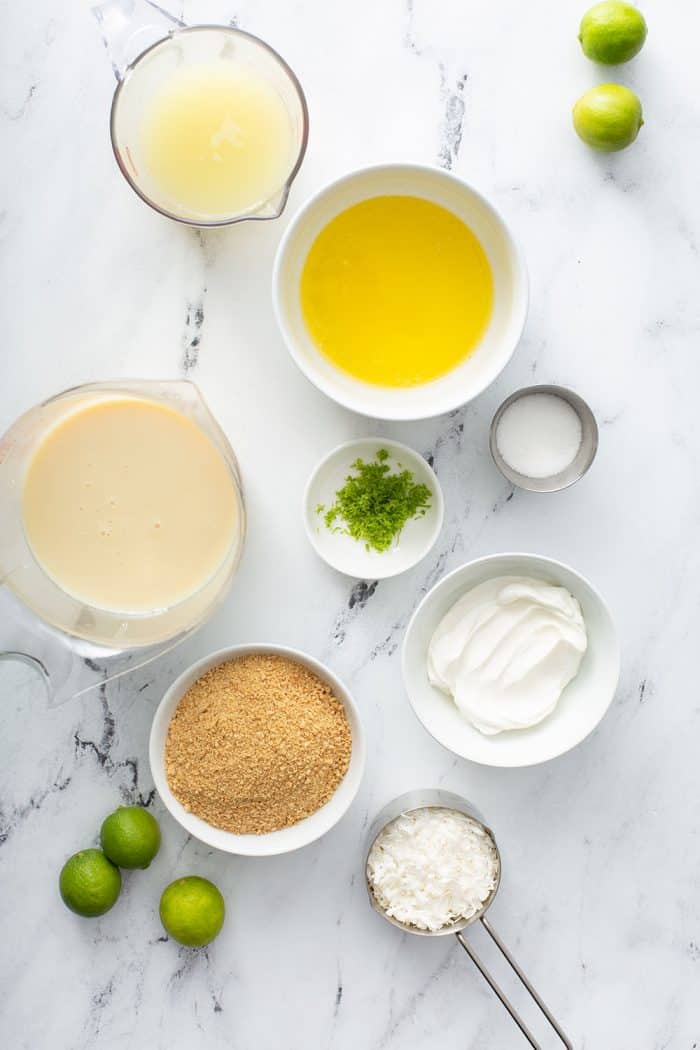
(130, 837)
(612, 32)
(89, 883)
(192, 911)
(608, 117)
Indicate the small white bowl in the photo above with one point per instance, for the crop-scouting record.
(499, 341)
(274, 842)
(347, 555)
(582, 704)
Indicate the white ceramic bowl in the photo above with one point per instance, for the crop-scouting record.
(347, 555)
(583, 703)
(288, 839)
(510, 299)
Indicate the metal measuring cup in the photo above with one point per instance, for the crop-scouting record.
(438, 799)
(581, 461)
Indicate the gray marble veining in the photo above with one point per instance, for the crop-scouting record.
(601, 848)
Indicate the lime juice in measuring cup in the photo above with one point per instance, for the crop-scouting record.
(209, 124)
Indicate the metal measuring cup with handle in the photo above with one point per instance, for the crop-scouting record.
(438, 799)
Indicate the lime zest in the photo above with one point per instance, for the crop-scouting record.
(374, 505)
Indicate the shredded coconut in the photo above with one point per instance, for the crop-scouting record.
(431, 867)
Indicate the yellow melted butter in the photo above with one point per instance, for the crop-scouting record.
(396, 291)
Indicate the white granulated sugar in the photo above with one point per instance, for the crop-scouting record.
(539, 435)
(431, 867)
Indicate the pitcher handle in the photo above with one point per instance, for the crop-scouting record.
(130, 27)
(68, 666)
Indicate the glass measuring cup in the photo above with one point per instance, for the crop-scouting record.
(435, 798)
(146, 46)
(76, 646)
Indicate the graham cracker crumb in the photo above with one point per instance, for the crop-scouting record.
(257, 744)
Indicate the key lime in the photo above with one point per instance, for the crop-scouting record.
(192, 911)
(130, 837)
(89, 883)
(608, 117)
(612, 32)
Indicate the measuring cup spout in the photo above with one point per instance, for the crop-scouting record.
(273, 208)
(129, 27)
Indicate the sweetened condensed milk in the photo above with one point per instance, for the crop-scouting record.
(128, 505)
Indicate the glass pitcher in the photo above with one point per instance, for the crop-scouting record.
(146, 45)
(76, 646)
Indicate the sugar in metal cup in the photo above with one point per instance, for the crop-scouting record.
(533, 441)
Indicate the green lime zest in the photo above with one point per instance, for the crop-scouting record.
(374, 505)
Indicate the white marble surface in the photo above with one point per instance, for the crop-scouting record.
(601, 847)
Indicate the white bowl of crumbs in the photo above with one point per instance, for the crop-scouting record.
(257, 750)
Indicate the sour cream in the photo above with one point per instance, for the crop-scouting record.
(506, 651)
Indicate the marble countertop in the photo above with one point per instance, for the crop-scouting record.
(601, 847)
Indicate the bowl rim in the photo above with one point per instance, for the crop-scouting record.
(439, 507)
(237, 844)
(351, 400)
(495, 558)
(565, 478)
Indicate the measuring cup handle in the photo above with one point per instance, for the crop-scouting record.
(514, 966)
(495, 987)
(68, 666)
(501, 994)
(129, 27)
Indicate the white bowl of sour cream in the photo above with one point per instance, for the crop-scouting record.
(511, 640)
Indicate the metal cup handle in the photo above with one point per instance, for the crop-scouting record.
(495, 987)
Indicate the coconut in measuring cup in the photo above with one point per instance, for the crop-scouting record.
(432, 868)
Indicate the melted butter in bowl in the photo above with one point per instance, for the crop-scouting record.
(396, 290)
(399, 291)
